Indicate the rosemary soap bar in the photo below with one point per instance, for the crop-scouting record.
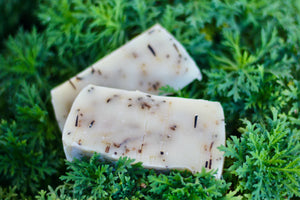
(162, 132)
(146, 63)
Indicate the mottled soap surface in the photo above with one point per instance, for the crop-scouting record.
(162, 132)
(151, 60)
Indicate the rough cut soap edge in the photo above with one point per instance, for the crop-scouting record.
(76, 151)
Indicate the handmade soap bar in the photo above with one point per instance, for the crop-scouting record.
(146, 63)
(162, 132)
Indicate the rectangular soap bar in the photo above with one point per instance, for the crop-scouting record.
(146, 63)
(162, 132)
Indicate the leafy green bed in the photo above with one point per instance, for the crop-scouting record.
(249, 53)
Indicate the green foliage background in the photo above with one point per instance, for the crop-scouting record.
(248, 51)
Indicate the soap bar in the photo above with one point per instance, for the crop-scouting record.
(146, 63)
(162, 132)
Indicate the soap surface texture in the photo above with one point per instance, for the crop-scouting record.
(162, 132)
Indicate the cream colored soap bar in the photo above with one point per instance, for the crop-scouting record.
(146, 63)
(162, 132)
